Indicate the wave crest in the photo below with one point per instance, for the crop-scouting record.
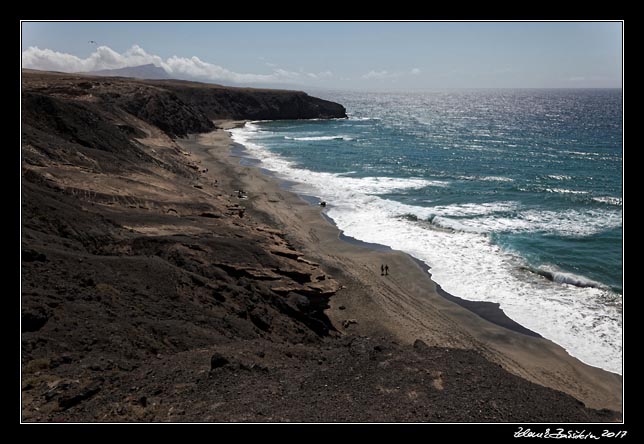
(562, 277)
(610, 200)
(317, 138)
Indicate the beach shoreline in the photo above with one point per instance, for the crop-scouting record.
(489, 311)
(406, 305)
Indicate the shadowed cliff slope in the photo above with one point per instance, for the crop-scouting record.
(178, 107)
(218, 102)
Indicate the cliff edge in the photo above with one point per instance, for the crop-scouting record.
(176, 107)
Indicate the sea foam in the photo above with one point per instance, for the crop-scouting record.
(318, 138)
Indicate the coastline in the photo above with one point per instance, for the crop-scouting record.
(489, 311)
(406, 305)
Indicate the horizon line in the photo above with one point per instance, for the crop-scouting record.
(287, 86)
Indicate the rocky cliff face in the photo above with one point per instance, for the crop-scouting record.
(219, 102)
(176, 107)
(131, 253)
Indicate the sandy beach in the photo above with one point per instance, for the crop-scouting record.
(406, 304)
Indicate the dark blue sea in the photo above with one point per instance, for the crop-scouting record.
(510, 196)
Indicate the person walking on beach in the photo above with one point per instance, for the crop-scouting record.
(386, 270)
(382, 269)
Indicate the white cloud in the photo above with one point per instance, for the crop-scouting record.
(378, 75)
(106, 58)
(103, 57)
(384, 74)
(320, 75)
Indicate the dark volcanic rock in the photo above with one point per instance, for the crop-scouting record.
(176, 107)
(31, 256)
(219, 102)
(33, 319)
(83, 124)
(348, 322)
(166, 111)
(86, 392)
(60, 360)
(261, 320)
(420, 345)
(211, 215)
(217, 360)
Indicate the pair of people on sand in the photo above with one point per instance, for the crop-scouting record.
(384, 270)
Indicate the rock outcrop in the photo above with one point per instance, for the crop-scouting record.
(176, 107)
(219, 102)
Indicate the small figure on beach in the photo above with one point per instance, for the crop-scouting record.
(382, 269)
(386, 269)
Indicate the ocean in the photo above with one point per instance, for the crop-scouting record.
(510, 196)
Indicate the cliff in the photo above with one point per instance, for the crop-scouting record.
(176, 107)
(131, 254)
(219, 102)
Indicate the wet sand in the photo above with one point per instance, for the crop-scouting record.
(406, 304)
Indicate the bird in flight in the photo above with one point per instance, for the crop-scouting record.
(92, 41)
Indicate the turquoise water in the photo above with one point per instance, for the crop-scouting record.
(511, 196)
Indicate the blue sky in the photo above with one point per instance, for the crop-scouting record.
(345, 55)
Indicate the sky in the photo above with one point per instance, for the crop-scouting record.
(374, 56)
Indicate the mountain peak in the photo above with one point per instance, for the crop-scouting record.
(149, 71)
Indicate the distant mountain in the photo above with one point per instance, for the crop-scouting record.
(153, 72)
(148, 71)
